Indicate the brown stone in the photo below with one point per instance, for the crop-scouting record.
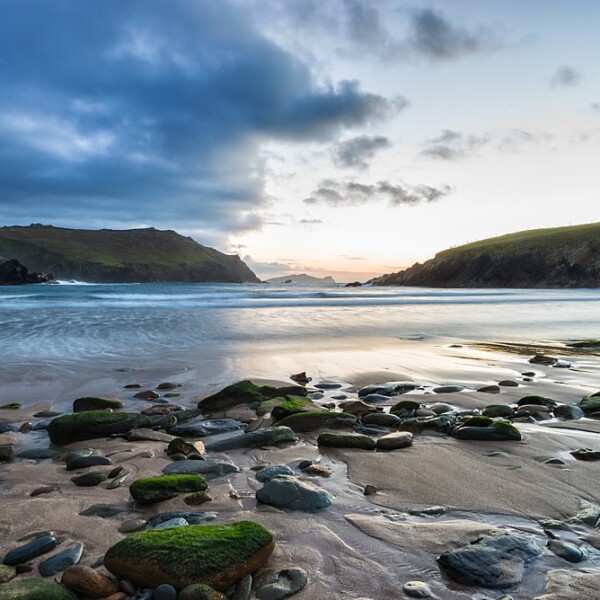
(89, 582)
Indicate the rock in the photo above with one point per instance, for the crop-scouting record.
(268, 473)
(374, 398)
(164, 592)
(508, 383)
(197, 498)
(243, 589)
(132, 525)
(310, 421)
(417, 589)
(176, 522)
(590, 405)
(7, 452)
(180, 446)
(562, 364)
(277, 584)
(93, 424)
(88, 582)
(405, 407)
(141, 434)
(7, 573)
(493, 561)
(45, 414)
(568, 412)
(301, 378)
(200, 591)
(200, 427)
(210, 469)
(534, 409)
(167, 385)
(157, 489)
(483, 428)
(146, 395)
(255, 439)
(393, 441)
(82, 462)
(448, 389)
(489, 389)
(542, 359)
(369, 490)
(79, 453)
(346, 440)
(26, 427)
(193, 518)
(555, 462)
(105, 511)
(161, 409)
(284, 407)
(316, 471)
(36, 589)
(11, 406)
(570, 552)
(440, 408)
(290, 492)
(61, 561)
(383, 419)
(89, 479)
(586, 454)
(38, 453)
(498, 410)
(26, 552)
(115, 483)
(536, 400)
(217, 555)
(358, 408)
(93, 403)
(385, 389)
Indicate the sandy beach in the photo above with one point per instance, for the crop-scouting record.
(360, 543)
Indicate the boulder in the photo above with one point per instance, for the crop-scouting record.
(93, 424)
(254, 439)
(157, 489)
(568, 412)
(537, 400)
(290, 492)
(292, 405)
(216, 555)
(590, 405)
(393, 441)
(485, 429)
(210, 469)
(201, 427)
(346, 440)
(498, 410)
(305, 422)
(93, 403)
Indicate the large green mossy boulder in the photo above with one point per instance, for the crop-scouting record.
(93, 403)
(150, 490)
(217, 555)
(590, 405)
(537, 401)
(496, 431)
(93, 424)
(246, 392)
(290, 406)
(35, 589)
(304, 422)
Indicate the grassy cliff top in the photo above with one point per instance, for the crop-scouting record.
(112, 247)
(535, 239)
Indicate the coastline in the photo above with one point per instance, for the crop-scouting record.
(353, 547)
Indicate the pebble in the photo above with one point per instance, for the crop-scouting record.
(369, 490)
(164, 592)
(38, 453)
(448, 389)
(277, 584)
(115, 483)
(508, 383)
(61, 561)
(568, 551)
(193, 518)
(24, 553)
(147, 395)
(82, 462)
(417, 589)
(132, 525)
(555, 462)
(210, 469)
(393, 441)
(290, 492)
(197, 499)
(82, 452)
(45, 489)
(325, 385)
(371, 398)
(26, 427)
(89, 479)
(316, 471)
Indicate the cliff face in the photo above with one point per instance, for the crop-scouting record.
(12, 272)
(563, 257)
(128, 256)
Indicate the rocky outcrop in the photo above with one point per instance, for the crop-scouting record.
(564, 257)
(12, 272)
(120, 256)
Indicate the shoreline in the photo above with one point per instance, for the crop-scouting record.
(361, 542)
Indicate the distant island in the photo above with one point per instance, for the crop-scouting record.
(119, 256)
(303, 278)
(560, 257)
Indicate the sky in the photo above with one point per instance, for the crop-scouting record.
(347, 138)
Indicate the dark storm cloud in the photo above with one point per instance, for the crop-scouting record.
(565, 76)
(351, 193)
(454, 145)
(357, 152)
(119, 113)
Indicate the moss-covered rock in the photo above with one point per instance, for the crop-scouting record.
(590, 405)
(246, 392)
(35, 589)
(497, 431)
(93, 403)
(304, 422)
(292, 405)
(478, 421)
(537, 400)
(346, 440)
(216, 555)
(93, 424)
(157, 489)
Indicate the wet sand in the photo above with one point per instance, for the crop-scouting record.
(362, 546)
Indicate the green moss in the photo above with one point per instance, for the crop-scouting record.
(304, 422)
(156, 489)
(478, 421)
(590, 405)
(35, 589)
(242, 392)
(93, 424)
(537, 401)
(504, 428)
(199, 591)
(269, 391)
(93, 403)
(291, 406)
(196, 552)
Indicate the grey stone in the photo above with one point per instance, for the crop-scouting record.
(255, 439)
(395, 440)
(82, 452)
(448, 389)
(132, 525)
(566, 411)
(417, 589)
(38, 453)
(268, 473)
(26, 552)
(498, 410)
(201, 427)
(568, 551)
(164, 592)
(277, 584)
(326, 385)
(144, 434)
(209, 468)
(346, 440)
(243, 589)
(176, 522)
(508, 383)
(61, 561)
(83, 462)
(290, 492)
(193, 518)
(373, 398)
(382, 419)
